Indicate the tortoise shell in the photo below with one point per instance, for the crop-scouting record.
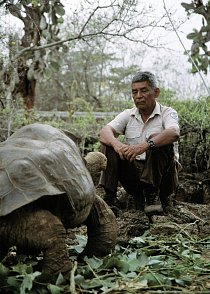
(39, 160)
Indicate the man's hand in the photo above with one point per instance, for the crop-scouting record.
(131, 151)
(108, 136)
(120, 149)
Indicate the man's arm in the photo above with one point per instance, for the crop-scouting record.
(166, 137)
(108, 136)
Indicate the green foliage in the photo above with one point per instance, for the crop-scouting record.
(200, 54)
(194, 113)
(155, 263)
(44, 19)
(194, 122)
(12, 118)
(79, 104)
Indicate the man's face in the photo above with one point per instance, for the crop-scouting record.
(144, 96)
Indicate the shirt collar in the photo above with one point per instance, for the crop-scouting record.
(156, 110)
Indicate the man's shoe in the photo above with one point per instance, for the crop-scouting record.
(166, 202)
(152, 204)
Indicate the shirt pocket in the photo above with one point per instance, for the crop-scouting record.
(133, 135)
(153, 130)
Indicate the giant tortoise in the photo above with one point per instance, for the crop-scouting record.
(45, 188)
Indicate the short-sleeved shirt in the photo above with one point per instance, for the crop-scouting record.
(130, 124)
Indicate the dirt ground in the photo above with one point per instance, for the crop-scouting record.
(184, 213)
(189, 211)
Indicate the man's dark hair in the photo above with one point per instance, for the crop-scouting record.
(145, 76)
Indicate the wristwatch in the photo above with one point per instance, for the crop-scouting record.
(151, 144)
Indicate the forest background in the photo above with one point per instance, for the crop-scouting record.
(80, 57)
(61, 58)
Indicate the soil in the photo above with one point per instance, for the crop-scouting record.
(188, 211)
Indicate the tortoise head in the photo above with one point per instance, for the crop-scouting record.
(95, 162)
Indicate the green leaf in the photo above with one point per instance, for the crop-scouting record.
(93, 283)
(78, 248)
(43, 23)
(30, 74)
(3, 270)
(60, 20)
(59, 10)
(110, 262)
(20, 268)
(13, 281)
(143, 260)
(133, 265)
(54, 289)
(79, 279)
(47, 73)
(201, 269)
(186, 280)
(137, 240)
(180, 282)
(94, 262)
(154, 261)
(192, 35)
(132, 255)
(127, 276)
(55, 65)
(205, 61)
(46, 34)
(34, 3)
(195, 48)
(60, 279)
(187, 6)
(82, 240)
(122, 265)
(27, 282)
(155, 279)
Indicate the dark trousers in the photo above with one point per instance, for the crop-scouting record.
(158, 171)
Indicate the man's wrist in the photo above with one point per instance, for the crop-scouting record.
(151, 144)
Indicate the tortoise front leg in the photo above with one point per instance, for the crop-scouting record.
(56, 258)
(101, 229)
(33, 231)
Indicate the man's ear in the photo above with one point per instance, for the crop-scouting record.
(157, 92)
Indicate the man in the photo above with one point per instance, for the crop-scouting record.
(146, 164)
